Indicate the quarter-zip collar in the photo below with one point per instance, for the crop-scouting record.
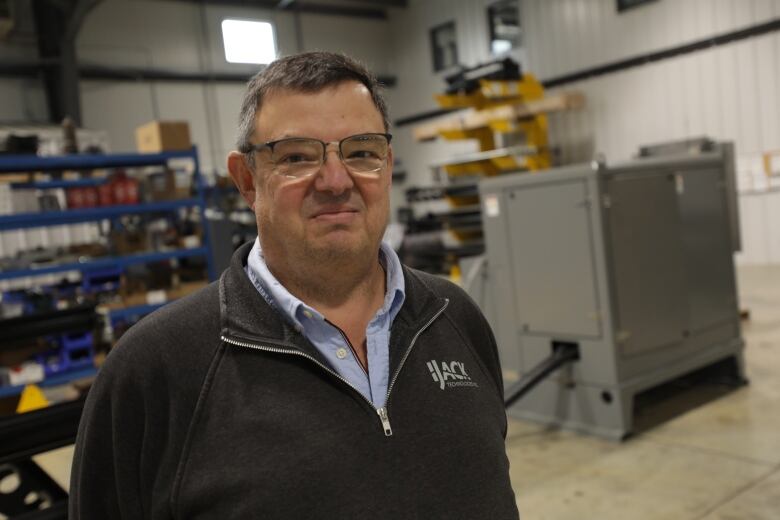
(246, 316)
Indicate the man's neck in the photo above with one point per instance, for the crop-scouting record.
(352, 288)
(348, 297)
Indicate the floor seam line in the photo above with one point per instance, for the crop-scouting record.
(710, 451)
(737, 493)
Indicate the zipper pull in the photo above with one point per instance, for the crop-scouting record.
(385, 421)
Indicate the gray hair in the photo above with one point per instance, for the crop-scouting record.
(306, 72)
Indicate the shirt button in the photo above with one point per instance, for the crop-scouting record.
(341, 353)
(307, 313)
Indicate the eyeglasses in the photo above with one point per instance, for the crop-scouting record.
(298, 157)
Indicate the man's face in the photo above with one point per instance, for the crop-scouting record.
(333, 214)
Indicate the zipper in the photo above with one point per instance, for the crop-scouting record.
(349, 344)
(382, 411)
(385, 421)
(409, 349)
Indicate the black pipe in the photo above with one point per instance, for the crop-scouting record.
(562, 354)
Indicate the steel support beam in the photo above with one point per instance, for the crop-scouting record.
(57, 24)
(102, 73)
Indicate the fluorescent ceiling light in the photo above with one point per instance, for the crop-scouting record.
(248, 42)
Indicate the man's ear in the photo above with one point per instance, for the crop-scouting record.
(242, 176)
(390, 165)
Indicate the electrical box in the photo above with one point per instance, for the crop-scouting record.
(632, 262)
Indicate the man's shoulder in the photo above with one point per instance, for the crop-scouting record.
(184, 328)
(441, 287)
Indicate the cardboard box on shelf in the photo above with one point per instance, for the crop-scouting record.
(127, 242)
(134, 299)
(163, 136)
(185, 288)
(167, 185)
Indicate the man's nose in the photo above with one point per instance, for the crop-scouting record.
(333, 175)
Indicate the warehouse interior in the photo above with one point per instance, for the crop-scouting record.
(602, 177)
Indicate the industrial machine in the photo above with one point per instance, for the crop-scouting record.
(624, 273)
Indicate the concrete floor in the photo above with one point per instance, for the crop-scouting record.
(717, 461)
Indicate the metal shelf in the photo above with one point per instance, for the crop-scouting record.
(109, 261)
(47, 185)
(511, 151)
(73, 216)
(31, 163)
(58, 379)
(136, 310)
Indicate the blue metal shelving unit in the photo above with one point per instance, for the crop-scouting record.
(58, 379)
(74, 216)
(137, 310)
(47, 185)
(26, 163)
(33, 163)
(108, 261)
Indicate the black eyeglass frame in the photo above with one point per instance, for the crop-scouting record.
(270, 145)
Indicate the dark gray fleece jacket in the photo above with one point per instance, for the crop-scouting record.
(215, 407)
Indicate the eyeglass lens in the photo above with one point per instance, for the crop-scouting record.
(301, 157)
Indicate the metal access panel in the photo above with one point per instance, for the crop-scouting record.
(709, 266)
(643, 221)
(630, 262)
(554, 277)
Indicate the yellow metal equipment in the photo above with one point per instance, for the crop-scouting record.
(493, 95)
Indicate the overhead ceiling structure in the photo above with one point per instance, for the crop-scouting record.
(58, 22)
(376, 9)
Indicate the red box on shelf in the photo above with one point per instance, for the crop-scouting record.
(106, 194)
(91, 198)
(74, 198)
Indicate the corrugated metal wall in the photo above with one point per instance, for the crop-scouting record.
(728, 92)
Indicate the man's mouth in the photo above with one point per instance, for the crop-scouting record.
(335, 215)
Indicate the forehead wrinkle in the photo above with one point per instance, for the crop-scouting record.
(321, 122)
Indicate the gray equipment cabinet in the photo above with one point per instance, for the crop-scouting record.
(631, 262)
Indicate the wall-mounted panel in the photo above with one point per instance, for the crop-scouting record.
(552, 251)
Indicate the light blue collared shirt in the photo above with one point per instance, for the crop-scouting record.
(328, 340)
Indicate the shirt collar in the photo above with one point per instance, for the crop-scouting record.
(293, 308)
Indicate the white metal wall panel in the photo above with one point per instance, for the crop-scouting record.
(569, 35)
(161, 33)
(767, 85)
(228, 98)
(118, 107)
(23, 100)
(339, 34)
(773, 226)
(729, 92)
(710, 93)
(753, 214)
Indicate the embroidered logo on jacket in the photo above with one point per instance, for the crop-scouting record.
(449, 375)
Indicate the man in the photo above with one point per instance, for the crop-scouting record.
(318, 378)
